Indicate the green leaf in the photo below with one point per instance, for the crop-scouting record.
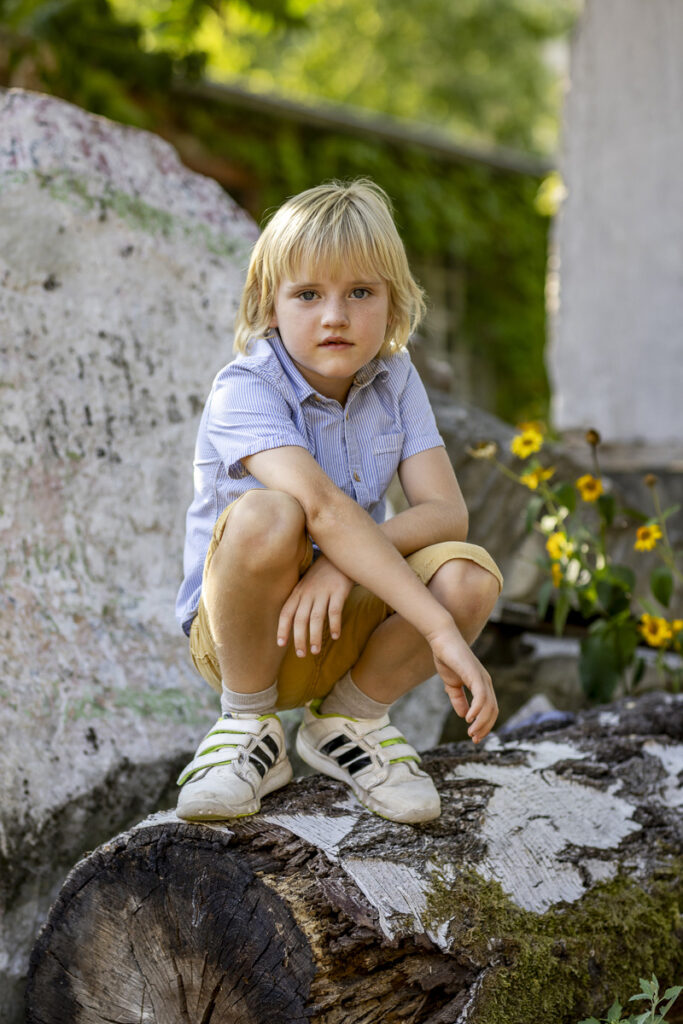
(607, 507)
(612, 597)
(625, 576)
(662, 584)
(532, 511)
(614, 1012)
(599, 671)
(671, 995)
(649, 988)
(561, 612)
(586, 597)
(668, 512)
(544, 592)
(590, 1020)
(565, 495)
(638, 672)
(625, 638)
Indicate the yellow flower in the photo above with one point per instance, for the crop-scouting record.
(533, 477)
(483, 450)
(590, 487)
(676, 629)
(531, 425)
(556, 574)
(558, 546)
(529, 441)
(647, 537)
(656, 631)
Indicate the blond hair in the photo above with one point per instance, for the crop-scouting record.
(342, 227)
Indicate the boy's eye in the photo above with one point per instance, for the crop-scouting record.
(308, 295)
(360, 293)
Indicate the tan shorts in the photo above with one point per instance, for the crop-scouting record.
(303, 679)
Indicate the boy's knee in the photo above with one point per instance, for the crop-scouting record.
(265, 528)
(463, 583)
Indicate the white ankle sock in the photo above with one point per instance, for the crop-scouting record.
(346, 699)
(233, 703)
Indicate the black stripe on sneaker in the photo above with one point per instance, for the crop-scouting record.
(333, 744)
(260, 768)
(271, 744)
(349, 755)
(362, 762)
(263, 755)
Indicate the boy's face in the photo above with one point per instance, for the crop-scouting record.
(331, 326)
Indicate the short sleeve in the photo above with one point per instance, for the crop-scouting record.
(248, 414)
(417, 418)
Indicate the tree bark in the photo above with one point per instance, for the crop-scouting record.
(546, 888)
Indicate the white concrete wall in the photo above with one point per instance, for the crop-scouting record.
(616, 349)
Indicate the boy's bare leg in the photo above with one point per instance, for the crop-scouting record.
(397, 658)
(251, 574)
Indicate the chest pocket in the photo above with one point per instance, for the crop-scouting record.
(386, 455)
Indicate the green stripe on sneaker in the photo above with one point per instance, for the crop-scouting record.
(218, 746)
(397, 760)
(188, 775)
(390, 743)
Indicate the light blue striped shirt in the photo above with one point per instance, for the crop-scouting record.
(261, 401)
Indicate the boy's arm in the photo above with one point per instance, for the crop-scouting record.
(342, 528)
(437, 508)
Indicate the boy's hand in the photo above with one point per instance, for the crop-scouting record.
(320, 593)
(459, 667)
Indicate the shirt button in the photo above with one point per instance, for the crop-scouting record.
(356, 477)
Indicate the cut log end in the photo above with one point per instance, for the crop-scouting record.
(169, 925)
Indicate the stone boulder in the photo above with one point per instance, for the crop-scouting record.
(120, 271)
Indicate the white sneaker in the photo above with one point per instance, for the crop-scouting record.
(239, 760)
(373, 759)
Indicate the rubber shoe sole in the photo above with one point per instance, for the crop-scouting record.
(210, 803)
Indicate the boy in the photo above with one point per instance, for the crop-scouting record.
(296, 591)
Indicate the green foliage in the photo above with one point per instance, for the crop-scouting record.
(584, 576)
(662, 584)
(659, 1006)
(476, 68)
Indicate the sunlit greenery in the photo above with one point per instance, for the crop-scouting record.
(477, 69)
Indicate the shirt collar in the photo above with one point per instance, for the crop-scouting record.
(303, 389)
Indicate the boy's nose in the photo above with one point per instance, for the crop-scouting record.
(335, 315)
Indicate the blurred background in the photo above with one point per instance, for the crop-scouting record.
(452, 107)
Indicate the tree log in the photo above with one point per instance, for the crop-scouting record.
(547, 887)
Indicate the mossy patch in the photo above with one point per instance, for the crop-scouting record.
(91, 195)
(574, 959)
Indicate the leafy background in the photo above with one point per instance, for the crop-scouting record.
(483, 73)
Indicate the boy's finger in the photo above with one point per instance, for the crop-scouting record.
(483, 724)
(284, 623)
(458, 700)
(300, 629)
(315, 623)
(335, 617)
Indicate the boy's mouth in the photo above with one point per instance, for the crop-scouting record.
(335, 342)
